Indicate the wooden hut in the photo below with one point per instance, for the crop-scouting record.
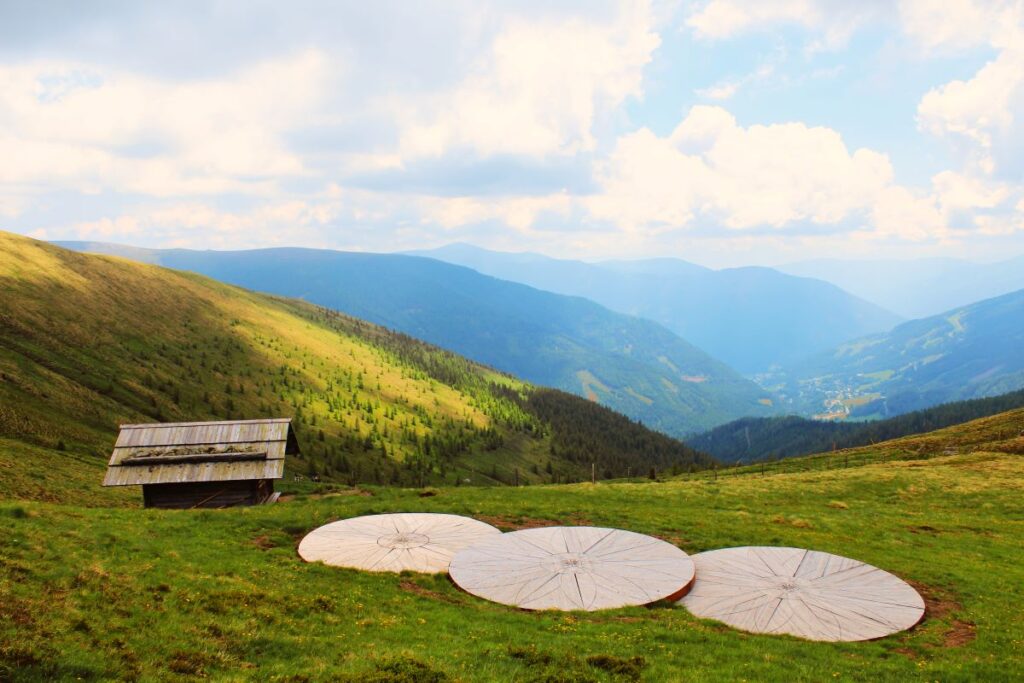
(202, 464)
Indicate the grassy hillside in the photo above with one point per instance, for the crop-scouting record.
(1002, 433)
(88, 342)
(172, 595)
(968, 352)
(634, 366)
(754, 438)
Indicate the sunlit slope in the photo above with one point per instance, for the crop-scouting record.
(997, 434)
(88, 342)
(629, 364)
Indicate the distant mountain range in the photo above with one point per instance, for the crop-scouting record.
(751, 318)
(967, 352)
(631, 365)
(920, 287)
(757, 438)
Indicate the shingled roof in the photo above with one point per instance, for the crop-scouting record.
(200, 451)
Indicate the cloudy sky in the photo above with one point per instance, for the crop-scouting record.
(720, 131)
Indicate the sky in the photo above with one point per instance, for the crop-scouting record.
(723, 132)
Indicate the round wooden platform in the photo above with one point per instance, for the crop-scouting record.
(804, 593)
(417, 541)
(572, 568)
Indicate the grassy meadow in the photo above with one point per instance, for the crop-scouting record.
(130, 594)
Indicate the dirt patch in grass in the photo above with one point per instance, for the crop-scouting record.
(297, 533)
(400, 670)
(354, 491)
(189, 663)
(959, 634)
(677, 541)
(423, 591)
(517, 523)
(924, 529)
(939, 604)
(617, 666)
(263, 542)
(531, 656)
(16, 611)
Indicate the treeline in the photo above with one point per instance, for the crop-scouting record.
(752, 439)
(581, 434)
(586, 433)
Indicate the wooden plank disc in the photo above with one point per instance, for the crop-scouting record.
(572, 568)
(805, 593)
(416, 541)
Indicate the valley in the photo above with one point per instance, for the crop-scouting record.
(751, 318)
(968, 352)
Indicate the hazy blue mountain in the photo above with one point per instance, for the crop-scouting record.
(631, 365)
(752, 318)
(967, 352)
(920, 287)
(756, 438)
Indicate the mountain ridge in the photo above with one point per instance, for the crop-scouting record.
(632, 365)
(89, 342)
(751, 317)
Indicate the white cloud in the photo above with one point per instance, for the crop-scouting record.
(834, 21)
(201, 225)
(957, 192)
(790, 177)
(959, 24)
(226, 151)
(983, 110)
(519, 213)
(79, 127)
(539, 89)
(899, 213)
(998, 226)
(724, 90)
(741, 177)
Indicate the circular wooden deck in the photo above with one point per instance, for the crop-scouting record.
(805, 593)
(572, 568)
(417, 541)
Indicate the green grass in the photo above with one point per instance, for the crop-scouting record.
(108, 593)
(29, 472)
